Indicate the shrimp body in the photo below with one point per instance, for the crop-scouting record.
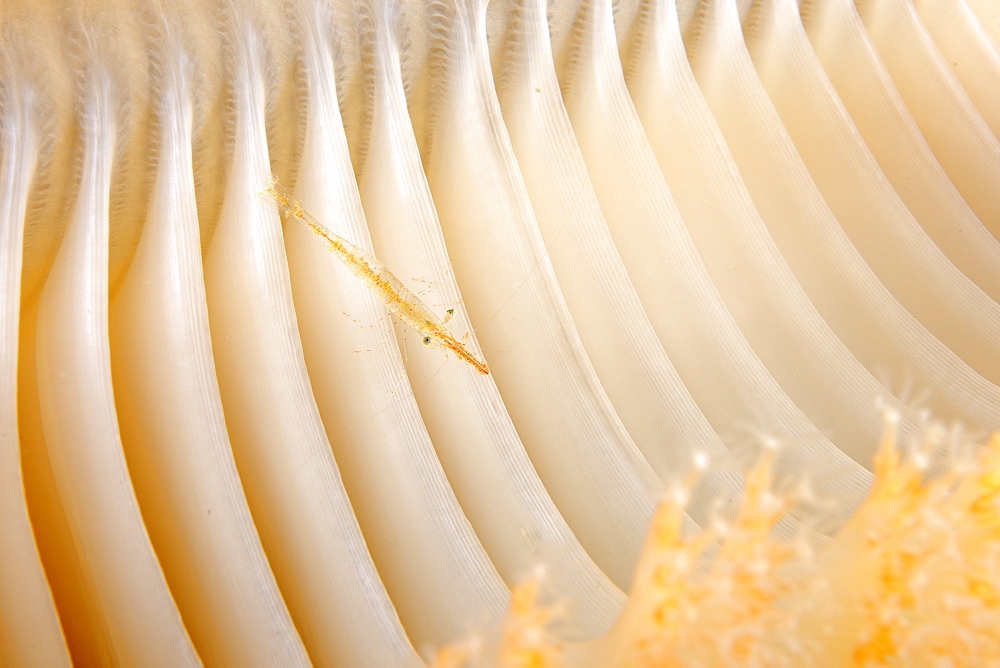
(376, 276)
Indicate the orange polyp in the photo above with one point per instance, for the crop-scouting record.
(525, 641)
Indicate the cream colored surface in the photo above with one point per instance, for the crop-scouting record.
(465, 416)
(184, 472)
(521, 319)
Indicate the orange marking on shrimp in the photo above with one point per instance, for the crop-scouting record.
(451, 343)
(397, 297)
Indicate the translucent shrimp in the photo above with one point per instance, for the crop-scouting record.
(401, 301)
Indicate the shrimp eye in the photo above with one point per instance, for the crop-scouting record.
(427, 340)
(450, 311)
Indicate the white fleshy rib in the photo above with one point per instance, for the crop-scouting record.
(127, 591)
(29, 627)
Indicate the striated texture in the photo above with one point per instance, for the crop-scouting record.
(689, 239)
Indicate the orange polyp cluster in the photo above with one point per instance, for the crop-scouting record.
(891, 512)
(913, 578)
(525, 641)
(935, 567)
(681, 609)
